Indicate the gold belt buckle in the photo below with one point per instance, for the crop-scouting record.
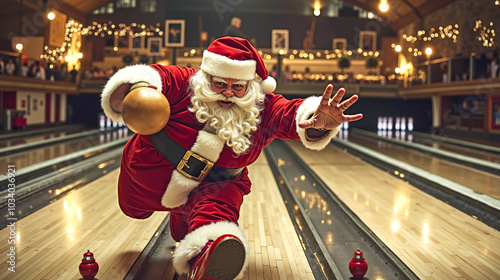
(184, 163)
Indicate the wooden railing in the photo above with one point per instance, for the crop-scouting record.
(14, 83)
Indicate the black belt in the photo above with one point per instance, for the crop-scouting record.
(191, 164)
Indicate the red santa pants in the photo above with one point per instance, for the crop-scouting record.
(208, 203)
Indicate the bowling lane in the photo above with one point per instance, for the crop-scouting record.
(488, 156)
(479, 181)
(32, 157)
(37, 138)
(51, 242)
(435, 240)
(275, 249)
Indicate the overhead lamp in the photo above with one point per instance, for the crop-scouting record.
(383, 6)
(428, 51)
(397, 48)
(317, 10)
(51, 15)
(19, 47)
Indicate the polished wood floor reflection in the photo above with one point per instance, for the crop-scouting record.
(51, 242)
(435, 240)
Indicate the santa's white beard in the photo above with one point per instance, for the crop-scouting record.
(233, 124)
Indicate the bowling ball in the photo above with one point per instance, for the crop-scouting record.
(145, 110)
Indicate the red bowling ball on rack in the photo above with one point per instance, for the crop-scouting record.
(88, 267)
(358, 265)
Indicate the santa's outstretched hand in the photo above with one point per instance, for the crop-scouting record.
(330, 112)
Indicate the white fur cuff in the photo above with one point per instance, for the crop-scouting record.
(130, 74)
(195, 241)
(305, 110)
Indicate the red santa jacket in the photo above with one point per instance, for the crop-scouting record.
(145, 174)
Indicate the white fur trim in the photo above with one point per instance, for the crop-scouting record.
(305, 110)
(130, 74)
(268, 85)
(194, 242)
(207, 145)
(224, 67)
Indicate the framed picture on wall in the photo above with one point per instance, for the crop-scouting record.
(368, 40)
(339, 44)
(174, 33)
(495, 113)
(136, 43)
(154, 46)
(279, 40)
(57, 28)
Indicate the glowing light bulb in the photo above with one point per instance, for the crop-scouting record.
(428, 51)
(383, 6)
(51, 15)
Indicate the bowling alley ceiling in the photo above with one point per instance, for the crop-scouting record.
(400, 13)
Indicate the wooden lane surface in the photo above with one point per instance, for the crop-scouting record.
(52, 241)
(479, 181)
(275, 250)
(435, 240)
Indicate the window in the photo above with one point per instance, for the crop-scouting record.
(365, 13)
(108, 9)
(149, 6)
(123, 4)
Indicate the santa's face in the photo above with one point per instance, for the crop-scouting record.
(228, 88)
(228, 107)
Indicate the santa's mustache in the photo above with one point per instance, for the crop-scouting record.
(216, 97)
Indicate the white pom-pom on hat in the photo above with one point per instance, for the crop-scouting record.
(268, 85)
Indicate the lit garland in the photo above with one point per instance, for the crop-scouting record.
(414, 51)
(484, 34)
(301, 54)
(57, 54)
(101, 30)
(448, 32)
(315, 77)
(111, 29)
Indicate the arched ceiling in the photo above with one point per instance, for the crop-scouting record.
(400, 14)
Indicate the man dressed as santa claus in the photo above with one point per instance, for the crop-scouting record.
(221, 118)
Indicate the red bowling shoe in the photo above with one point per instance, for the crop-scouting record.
(221, 259)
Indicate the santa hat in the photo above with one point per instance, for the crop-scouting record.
(236, 58)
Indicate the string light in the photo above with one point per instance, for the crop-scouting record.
(110, 29)
(57, 54)
(97, 30)
(448, 32)
(484, 34)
